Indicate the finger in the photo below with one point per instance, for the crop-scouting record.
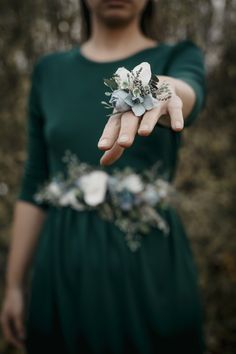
(5, 323)
(110, 156)
(18, 331)
(149, 121)
(20, 327)
(174, 108)
(8, 331)
(128, 129)
(110, 132)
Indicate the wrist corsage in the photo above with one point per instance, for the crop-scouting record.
(137, 90)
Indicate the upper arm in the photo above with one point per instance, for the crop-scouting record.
(187, 63)
(36, 170)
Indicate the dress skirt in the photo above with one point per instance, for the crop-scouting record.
(92, 295)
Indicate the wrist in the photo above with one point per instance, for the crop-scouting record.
(11, 291)
(14, 284)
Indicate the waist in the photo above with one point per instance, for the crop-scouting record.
(129, 199)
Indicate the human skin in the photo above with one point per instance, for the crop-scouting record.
(115, 34)
(27, 222)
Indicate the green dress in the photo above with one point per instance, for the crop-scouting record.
(89, 293)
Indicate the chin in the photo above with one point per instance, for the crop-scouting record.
(116, 11)
(116, 17)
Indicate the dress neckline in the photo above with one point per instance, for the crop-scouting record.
(137, 54)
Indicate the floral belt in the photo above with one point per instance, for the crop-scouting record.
(127, 198)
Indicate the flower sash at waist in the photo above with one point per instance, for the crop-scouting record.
(125, 197)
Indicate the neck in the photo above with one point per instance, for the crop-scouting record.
(105, 38)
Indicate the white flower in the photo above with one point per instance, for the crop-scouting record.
(150, 194)
(69, 198)
(125, 77)
(132, 182)
(54, 189)
(145, 74)
(94, 185)
(163, 187)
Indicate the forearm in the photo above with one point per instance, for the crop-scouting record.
(27, 222)
(184, 91)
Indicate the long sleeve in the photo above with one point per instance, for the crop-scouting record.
(36, 165)
(187, 63)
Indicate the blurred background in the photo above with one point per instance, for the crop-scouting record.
(206, 173)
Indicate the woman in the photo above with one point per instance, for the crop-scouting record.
(89, 292)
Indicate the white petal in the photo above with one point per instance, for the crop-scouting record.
(67, 198)
(54, 189)
(94, 187)
(150, 194)
(145, 74)
(64, 200)
(123, 73)
(133, 183)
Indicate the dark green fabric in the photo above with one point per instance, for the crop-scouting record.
(89, 292)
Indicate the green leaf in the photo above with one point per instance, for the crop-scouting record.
(105, 103)
(155, 78)
(111, 83)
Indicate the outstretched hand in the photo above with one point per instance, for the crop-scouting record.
(121, 128)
